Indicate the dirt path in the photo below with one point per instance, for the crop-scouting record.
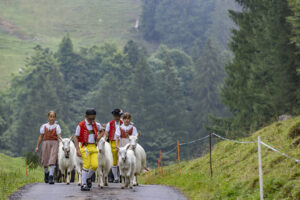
(60, 191)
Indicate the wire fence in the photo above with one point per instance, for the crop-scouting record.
(166, 153)
(258, 142)
(200, 139)
(277, 151)
(235, 141)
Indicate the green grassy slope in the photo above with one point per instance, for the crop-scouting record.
(24, 24)
(12, 175)
(236, 168)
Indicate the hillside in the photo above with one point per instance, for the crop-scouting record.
(89, 24)
(235, 168)
(12, 175)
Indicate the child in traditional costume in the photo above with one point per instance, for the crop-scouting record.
(88, 133)
(110, 130)
(125, 130)
(49, 134)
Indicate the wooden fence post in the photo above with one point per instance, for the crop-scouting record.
(210, 160)
(161, 163)
(26, 168)
(261, 192)
(178, 158)
(158, 167)
(148, 176)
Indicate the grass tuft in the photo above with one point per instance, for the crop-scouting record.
(294, 130)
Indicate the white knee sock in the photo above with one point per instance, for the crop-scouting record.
(52, 167)
(84, 174)
(115, 172)
(46, 170)
(90, 173)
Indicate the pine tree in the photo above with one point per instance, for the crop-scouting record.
(66, 57)
(261, 82)
(294, 19)
(183, 64)
(206, 85)
(148, 20)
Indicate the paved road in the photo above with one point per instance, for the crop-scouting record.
(58, 191)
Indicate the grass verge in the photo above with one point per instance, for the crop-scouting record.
(12, 175)
(235, 168)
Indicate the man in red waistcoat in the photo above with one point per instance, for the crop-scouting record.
(111, 133)
(88, 133)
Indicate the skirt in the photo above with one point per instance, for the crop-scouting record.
(49, 153)
(123, 142)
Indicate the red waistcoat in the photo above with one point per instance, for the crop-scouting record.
(50, 135)
(126, 134)
(112, 129)
(84, 132)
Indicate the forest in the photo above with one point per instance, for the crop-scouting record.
(191, 85)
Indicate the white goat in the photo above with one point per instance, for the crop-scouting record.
(127, 162)
(140, 155)
(67, 158)
(105, 162)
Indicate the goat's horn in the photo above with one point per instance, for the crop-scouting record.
(71, 138)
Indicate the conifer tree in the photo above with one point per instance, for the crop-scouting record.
(262, 79)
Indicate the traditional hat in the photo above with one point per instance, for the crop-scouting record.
(117, 112)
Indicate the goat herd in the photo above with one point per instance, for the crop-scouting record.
(131, 161)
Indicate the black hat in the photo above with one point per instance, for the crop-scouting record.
(90, 111)
(117, 112)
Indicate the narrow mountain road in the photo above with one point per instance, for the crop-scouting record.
(58, 191)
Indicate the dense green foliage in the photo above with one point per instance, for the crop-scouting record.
(262, 81)
(263, 76)
(235, 168)
(158, 90)
(166, 91)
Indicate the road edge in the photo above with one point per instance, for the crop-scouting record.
(18, 194)
(179, 190)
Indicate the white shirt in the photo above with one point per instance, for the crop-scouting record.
(126, 128)
(117, 125)
(50, 128)
(89, 127)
